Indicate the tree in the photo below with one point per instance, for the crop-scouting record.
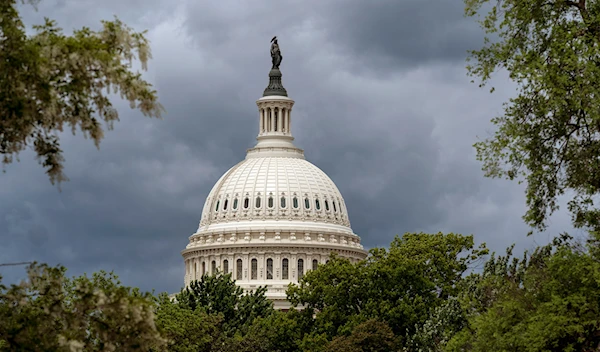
(545, 301)
(49, 312)
(549, 134)
(218, 294)
(401, 286)
(185, 329)
(51, 80)
(370, 336)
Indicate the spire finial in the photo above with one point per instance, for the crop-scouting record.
(275, 86)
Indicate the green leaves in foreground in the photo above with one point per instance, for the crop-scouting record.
(51, 81)
(549, 134)
(49, 312)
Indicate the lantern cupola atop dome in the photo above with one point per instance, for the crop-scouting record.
(275, 116)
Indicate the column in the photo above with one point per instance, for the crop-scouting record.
(260, 121)
(280, 117)
(269, 119)
(288, 111)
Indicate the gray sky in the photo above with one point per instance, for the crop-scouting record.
(383, 106)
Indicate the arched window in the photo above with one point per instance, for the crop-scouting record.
(238, 274)
(326, 205)
(257, 205)
(295, 203)
(300, 268)
(254, 269)
(235, 204)
(285, 269)
(195, 271)
(315, 264)
(217, 207)
(213, 267)
(203, 268)
(334, 207)
(225, 204)
(270, 203)
(306, 203)
(246, 203)
(317, 204)
(282, 202)
(269, 269)
(225, 266)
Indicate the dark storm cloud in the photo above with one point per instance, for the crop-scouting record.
(387, 34)
(398, 148)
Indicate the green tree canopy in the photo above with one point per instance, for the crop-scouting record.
(51, 81)
(545, 301)
(218, 294)
(400, 286)
(549, 134)
(49, 312)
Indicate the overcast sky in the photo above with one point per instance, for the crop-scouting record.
(383, 106)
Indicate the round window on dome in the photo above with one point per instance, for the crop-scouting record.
(295, 202)
(270, 202)
(235, 204)
(317, 204)
(306, 203)
(282, 202)
(327, 205)
(257, 203)
(246, 203)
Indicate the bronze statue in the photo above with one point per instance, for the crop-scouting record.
(275, 53)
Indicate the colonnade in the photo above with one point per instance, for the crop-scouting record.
(275, 119)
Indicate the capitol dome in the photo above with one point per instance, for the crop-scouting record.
(273, 216)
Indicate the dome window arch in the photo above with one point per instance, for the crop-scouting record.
(306, 203)
(300, 269)
(257, 203)
(317, 204)
(239, 269)
(246, 203)
(225, 266)
(213, 267)
(315, 264)
(334, 207)
(235, 203)
(285, 269)
(269, 269)
(270, 202)
(295, 202)
(326, 205)
(282, 202)
(254, 269)
(225, 203)
(217, 207)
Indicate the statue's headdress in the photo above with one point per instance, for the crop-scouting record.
(274, 39)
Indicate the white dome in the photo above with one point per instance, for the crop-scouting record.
(274, 188)
(274, 216)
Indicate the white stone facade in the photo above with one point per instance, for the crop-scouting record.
(272, 217)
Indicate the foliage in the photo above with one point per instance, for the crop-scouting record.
(218, 294)
(549, 134)
(51, 80)
(371, 336)
(545, 301)
(50, 312)
(400, 286)
(187, 330)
